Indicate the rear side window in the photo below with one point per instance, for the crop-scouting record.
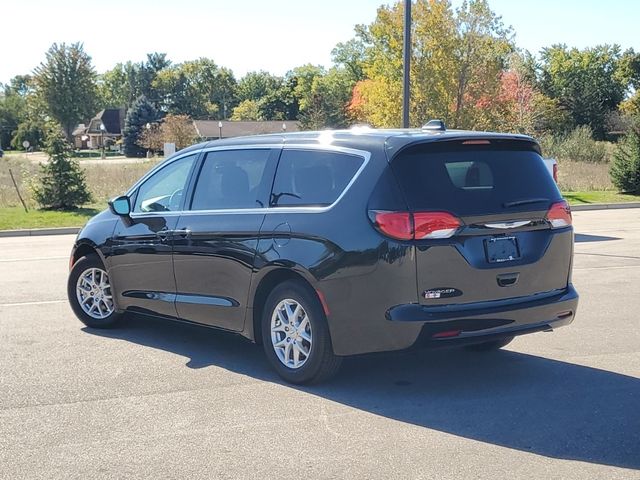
(312, 178)
(474, 179)
(232, 179)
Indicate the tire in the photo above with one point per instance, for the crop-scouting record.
(490, 346)
(98, 310)
(311, 336)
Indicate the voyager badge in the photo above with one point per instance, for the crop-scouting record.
(444, 292)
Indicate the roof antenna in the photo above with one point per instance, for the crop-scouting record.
(434, 125)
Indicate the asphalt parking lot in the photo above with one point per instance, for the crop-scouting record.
(160, 400)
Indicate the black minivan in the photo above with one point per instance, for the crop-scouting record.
(321, 245)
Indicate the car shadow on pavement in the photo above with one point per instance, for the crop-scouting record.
(528, 403)
(585, 238)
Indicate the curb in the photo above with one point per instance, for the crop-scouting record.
(604, 206)
(34, 232)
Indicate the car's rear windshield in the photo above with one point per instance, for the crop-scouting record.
(472, 179)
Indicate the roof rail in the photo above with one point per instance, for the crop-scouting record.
(434, 125)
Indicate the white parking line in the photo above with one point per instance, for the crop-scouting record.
(32, 259)
(23, 304)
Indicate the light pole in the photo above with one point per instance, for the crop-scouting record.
(102, 129)
(406, 92)
(219, 130)
(148, 140)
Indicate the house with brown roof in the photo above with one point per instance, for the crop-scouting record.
(213, 129)
(106, 127)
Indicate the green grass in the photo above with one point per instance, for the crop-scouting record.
(602, 196)
(15, 218)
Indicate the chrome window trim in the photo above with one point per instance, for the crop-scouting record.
(365, 155)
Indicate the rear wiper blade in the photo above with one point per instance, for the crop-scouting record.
(525, 202)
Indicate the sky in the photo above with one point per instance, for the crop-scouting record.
(276, 35)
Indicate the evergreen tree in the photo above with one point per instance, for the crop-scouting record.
(62, 184)
(140, 113)
(625, 167)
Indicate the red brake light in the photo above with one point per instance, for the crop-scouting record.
(447, 334)
(435, 225)
(395, 224)
(559, 215)
(555, 172)
(416, 226)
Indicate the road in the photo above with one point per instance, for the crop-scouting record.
(160, 400)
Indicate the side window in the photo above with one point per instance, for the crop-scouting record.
(232, 179)
(162, 192)
(312, 178)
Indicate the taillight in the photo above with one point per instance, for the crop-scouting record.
(555, 172)
(559, 215)
(394, 224)
(434, 225)
(416, 226)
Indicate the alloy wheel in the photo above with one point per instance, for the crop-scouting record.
(93, 291)
(291, 335)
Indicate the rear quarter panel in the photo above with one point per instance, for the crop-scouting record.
(359, 272)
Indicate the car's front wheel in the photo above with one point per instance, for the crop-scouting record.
(89, 293)
(296, 337)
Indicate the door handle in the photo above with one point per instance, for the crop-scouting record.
(184, 233)
(163, 234)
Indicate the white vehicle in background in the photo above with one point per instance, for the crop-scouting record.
(552, 166)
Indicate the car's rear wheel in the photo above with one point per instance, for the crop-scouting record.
(89, 292)
(295, 335)
(489, 346)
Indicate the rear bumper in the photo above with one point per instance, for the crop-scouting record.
(486, 321)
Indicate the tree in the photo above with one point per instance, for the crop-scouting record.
(483, 46)
(117, 87)
(349, 55)
(12, 108)
(322, 96)
(625, 167)
(124, 83)
(587, 83)
(514, 107)
(151, 138)
(65, 84)
(30, 130)
(263, 96)
(247, 110)
(257, 85)
(139, 115)
(197, 88)
(20, 114)
(178, 129)
(456, 61)
(62, 184)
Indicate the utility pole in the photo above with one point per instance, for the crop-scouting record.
(406, 90)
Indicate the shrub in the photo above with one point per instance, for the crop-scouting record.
(625, 167)
(577, 146)
(61, 185)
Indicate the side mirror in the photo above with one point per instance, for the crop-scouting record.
(120, 206)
